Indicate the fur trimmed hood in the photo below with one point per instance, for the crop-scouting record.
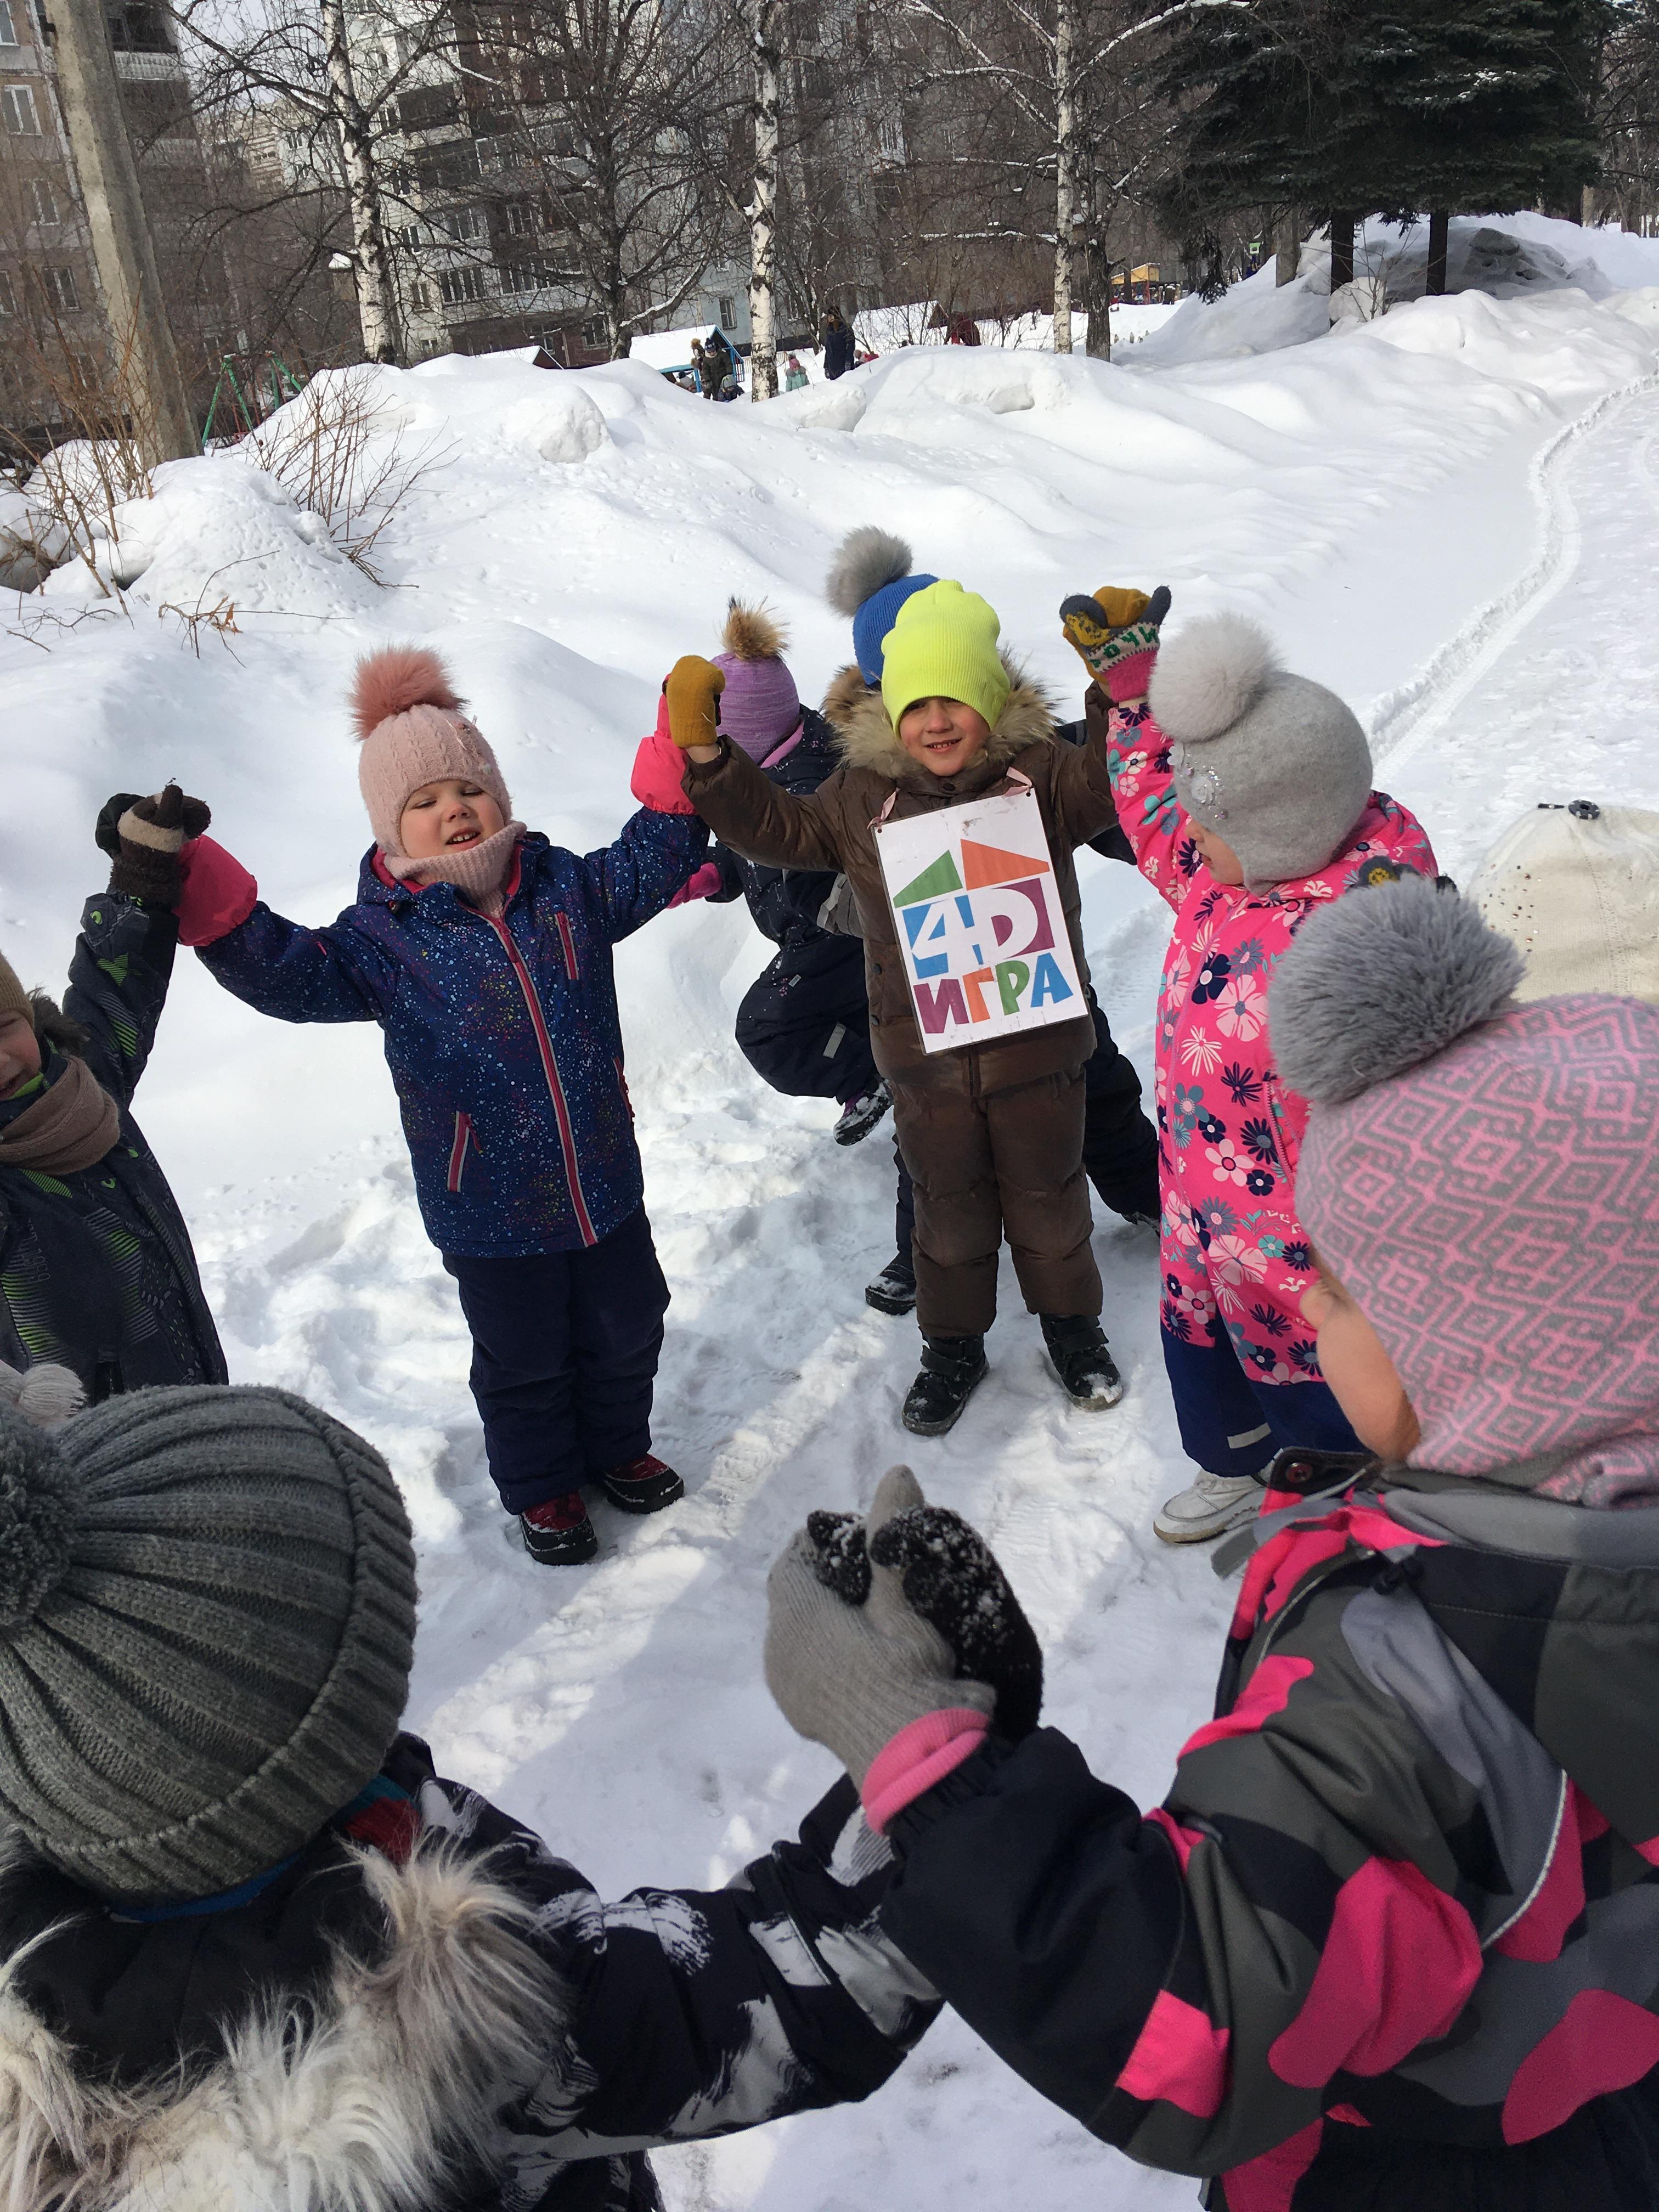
(865, 736)
(371, 2098)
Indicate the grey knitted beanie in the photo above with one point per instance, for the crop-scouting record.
(1273, 763)
(207, 1616)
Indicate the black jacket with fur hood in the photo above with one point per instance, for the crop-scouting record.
(831, 828)
(427, 2011)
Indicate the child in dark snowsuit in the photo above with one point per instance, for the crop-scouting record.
(1392, 1940)
(97, 1269)
(484, 952)
(992, 1133)
(258, 1953)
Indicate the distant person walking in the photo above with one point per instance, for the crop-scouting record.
(838, 345)
(707, 368)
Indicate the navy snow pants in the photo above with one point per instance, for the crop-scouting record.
(1232, 1424)
(565, 1359)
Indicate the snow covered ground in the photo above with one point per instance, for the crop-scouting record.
(1448, 514)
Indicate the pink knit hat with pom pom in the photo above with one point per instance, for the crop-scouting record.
(409, 718)
(760, 706)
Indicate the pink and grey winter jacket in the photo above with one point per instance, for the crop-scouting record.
(1391, 1942)
(1233, 1253)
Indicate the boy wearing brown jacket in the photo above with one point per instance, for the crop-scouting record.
(992, 1133)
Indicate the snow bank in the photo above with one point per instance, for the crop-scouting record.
(573, 535)
(1504, 257)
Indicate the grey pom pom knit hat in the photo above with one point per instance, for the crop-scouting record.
(1274, 763)
(207, 1616)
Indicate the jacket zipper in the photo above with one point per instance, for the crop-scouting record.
(569, 944)
(550, 1070)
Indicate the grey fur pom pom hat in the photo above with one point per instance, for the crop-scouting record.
(207, 1616)
(870, 579)
(1274, 763)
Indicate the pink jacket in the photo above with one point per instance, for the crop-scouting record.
(1228, 1132)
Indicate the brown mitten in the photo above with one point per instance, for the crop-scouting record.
(693, 692)
(142, 837)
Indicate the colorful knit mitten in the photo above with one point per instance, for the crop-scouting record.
(1114, 633)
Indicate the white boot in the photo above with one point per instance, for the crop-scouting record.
(1214, 1504)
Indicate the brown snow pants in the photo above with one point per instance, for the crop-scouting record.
(987, 1164)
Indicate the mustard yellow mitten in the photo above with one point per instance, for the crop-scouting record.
(693, 690)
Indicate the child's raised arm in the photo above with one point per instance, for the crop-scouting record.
(1114, 633)
(273, 965)
(743, 807)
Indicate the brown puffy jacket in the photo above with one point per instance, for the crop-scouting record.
(832, 828)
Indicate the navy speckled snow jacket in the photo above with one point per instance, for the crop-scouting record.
(502, 1033)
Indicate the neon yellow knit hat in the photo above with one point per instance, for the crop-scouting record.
(944, 645)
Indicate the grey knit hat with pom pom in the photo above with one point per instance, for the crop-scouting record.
(1274, 763)
(207, 1616)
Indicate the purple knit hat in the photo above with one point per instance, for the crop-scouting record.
(1483, 1178)
(760, 706)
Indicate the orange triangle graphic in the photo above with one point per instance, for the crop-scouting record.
(988, 864)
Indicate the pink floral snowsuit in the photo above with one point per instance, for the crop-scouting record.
(1228, 1131)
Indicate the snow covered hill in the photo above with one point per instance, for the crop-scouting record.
(1446, 513)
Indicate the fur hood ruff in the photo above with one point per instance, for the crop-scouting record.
(363, 2102)
(865, 737)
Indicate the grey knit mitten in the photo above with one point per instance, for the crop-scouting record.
(851, 1676)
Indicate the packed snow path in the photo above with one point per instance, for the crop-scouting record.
(1372, 498)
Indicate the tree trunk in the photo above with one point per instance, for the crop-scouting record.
(1287, 247)
(1439, 229)
(1342, 227)
(766, 27)
(371, 266)
(1097, 276)
(1067, 167)
(144, 358)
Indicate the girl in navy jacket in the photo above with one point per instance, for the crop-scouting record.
(483, 952)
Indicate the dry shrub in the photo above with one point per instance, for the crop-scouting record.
(339, 453)
(80, 479)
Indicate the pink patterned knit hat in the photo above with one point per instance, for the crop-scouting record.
(1483, 1178)
(413, 732)
(760, 706)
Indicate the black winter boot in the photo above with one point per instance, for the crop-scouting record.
(860, 1115)
(951, 1367)
(1082, 1360)
(893, 1290)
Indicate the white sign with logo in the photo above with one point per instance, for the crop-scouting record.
(981, 927)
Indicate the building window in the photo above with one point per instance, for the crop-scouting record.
(43, 199)
(531, 275)
(419, 298)
(61, 288)
(21, 119)
(520, 218)
(593, 336)
(467, 226)
(8, 28)
(457, 286)
(728, 314)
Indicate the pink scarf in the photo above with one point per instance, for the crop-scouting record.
(477, 871)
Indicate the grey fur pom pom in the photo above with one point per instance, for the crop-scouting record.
(1210, 673)
(37, 1516)
(1380, 981)
(865, 560)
